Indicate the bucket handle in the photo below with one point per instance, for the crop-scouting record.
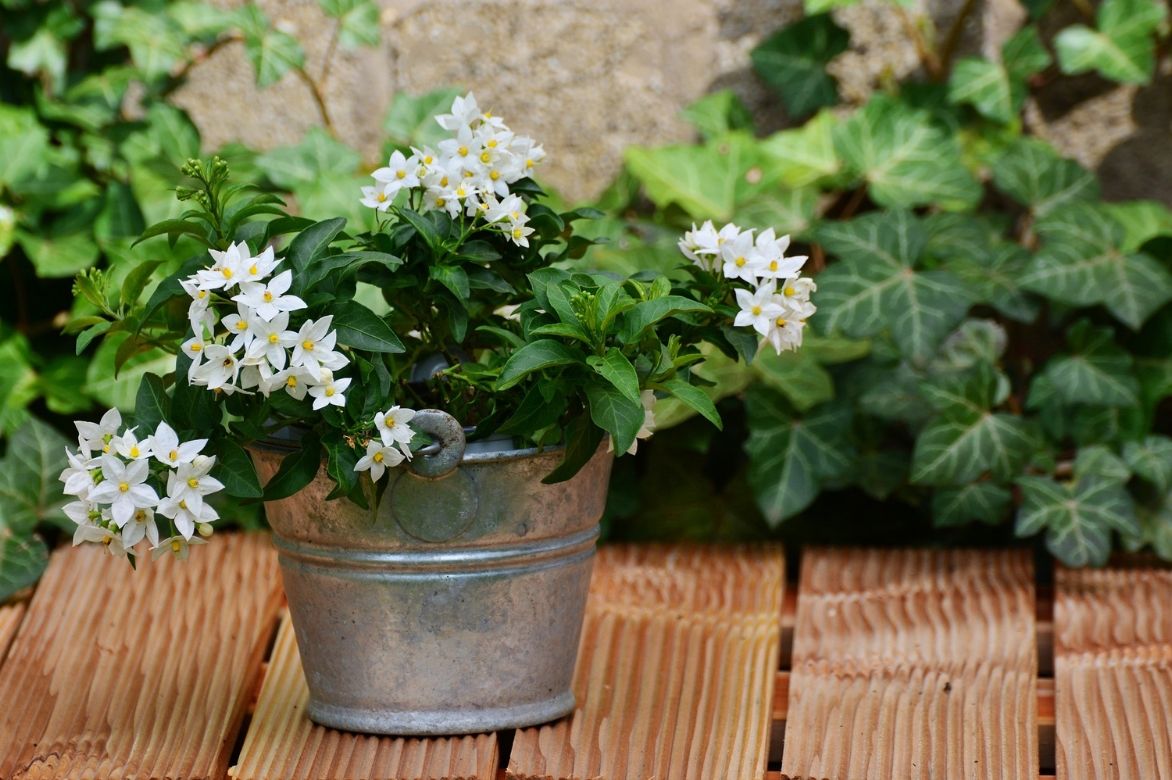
(442, 456)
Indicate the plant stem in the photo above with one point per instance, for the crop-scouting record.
(315, 92)
(927, 57)
(329, 57)
(953, 38)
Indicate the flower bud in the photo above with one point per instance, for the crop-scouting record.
(205, 530)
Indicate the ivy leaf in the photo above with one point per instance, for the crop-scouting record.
(707, 182)
(318, 154)
(272, 53)
(1151, 459)
(785, 210)
(615, 413)
(1123, 48)
(1080, 263)
(905, 159)
(23, 141)
(360, 328)
(983, 502)
(805, 156)
(998, 89)
(1097, 371)
(875, 286)
(1077, 517)
(790, 457)
(793, 62)
(30, 492)
(357, 19)
(995, 279)
(1100, 462)
(718, 113)
(410, 120)
(535, 356)
(1142, 220)
(797, 375)
(22, 561)
(1034, 175)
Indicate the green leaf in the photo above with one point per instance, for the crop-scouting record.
(998, 90)
(59, 255)
(120, 388)
(235, 469)
(535, 356)
(454, 278)
(1122, 49)
(30, 492)
(297, 470)
(805, 156)
(785, 210)
(193, 407)
(793, 62)
(18, 382)
(905, 159)
(311, 243)
(875, 286)
(410, 120)
(151, 405)
(961, 445)
(360, 328)
(272, 53)
(984, 502)
(1080, 264)
(615, 413)
(995, 279)
(22, 561)
(617, 369)
(582, 440)
(790, 457)
(719, 113)
(1034, 175)
(317, 155)
(646, 313)
(1077, 518)
(694, 398)
(1097, 372)
(1151, 459)
(708, 181)
(1142, 220)
(1100, 462)
(358, 21)
(797, 375)
(156, 42)
(23, 142)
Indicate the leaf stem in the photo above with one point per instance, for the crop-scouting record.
(952, 39)
(319, 99)
(927, 56)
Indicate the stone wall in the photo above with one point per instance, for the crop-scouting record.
(590, 77)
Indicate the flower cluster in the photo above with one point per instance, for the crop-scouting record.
(123, 484)
(778, 304)
(256, 348)
(392, 445)
(467, 174)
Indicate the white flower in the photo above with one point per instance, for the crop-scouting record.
(169, 451)
(79, 475)
(518, 233)
(511, 208)
(785, 333)
(270, 340)
(376, 198)
(773, 263)
(190, 482)
(270, 299)
(758, 309)
(97, 436)
(123, 488)
(183, 515)
(740, 258)
(314, 347)
(331, 392)
(194, 348)
(200, 298)
(80, 512)
(378, 458)
(399, 173)
(110, 539)
(700, 244)
(220, 369)
(255, 269)
(296, 380)
(239, 326)
(128, 446)
(178, 546)
(798, 289)
(392, 426)
(464, 113)
(228, 269)
(141, 525)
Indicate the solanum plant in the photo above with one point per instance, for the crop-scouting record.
(463, 296)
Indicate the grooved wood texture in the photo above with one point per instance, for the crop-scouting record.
(283, 743)
(1113, 673)
(118, 673)
(913, 664)
(678, 657)
(10, 616)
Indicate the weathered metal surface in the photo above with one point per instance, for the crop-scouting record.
(431, 613)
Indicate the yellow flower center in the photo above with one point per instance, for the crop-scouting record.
(227, 272)
(378, 457)
(485, 157)
(400, 174)
(330, 391)
(381, 197)
(241, 325)
(790, 292)
(528, 163)
(134, 451)
(123, 487)
(201, 294)
(273, 338)
(462, 151)
(307, 345)
(140, 516)
(461, 192)
(428, 160)
(193, 482)
(491, 143)
(444, 181)
(183, 505)
(173, 455)
(772, 265)
(196, 347)
(268, 296)
(439, 202)
(106, 448)
(106, 541)
(781, 322)
(291, 382)
(176, 546)
(740, 262)
(517, 232)
(252, 270)
(494, 175)
(756, 310)
(389, 421)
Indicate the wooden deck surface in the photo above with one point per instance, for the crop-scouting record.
(695, 663)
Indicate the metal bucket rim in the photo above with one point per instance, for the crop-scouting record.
(495, 456)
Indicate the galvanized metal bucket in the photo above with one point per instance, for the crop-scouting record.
(452, 607)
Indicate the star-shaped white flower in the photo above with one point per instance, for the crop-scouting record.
(378, 458)
(124, 488)
(269, 299)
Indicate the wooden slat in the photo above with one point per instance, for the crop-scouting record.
(118, 673)
(1113, 673)
(678, 657)
(283, 743)
(10, 617)
(913, 664)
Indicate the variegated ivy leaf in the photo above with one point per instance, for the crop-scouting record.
(22, 560)
(1080, 263)
(967, 439)
(1151, 459)
(1077, 517)
(998, 89)
(793, 62)
(984, 502)
(1098, 461)
(905, 159)
(1097, 371)
(1142, 220)
(1034, 175)
(805, 156)
(272, 52)
(1122, 48)
(1155, 529)
(995, 279)
(790, 456)
(975, 342)
(876, 285)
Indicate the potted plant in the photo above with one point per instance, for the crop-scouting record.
(436, 562)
